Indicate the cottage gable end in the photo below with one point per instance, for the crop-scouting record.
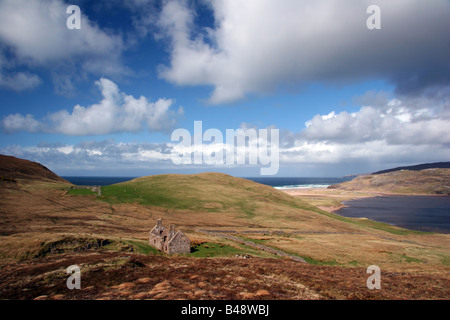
(169, 240)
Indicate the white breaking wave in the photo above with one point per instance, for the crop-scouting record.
(303, 186)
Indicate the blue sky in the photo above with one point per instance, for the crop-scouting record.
(105, 99)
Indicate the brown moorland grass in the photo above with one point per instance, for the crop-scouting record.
(12, 168)
(427, 181)
(113, 275)
(42, 229)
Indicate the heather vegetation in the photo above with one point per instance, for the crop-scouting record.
(238, 230)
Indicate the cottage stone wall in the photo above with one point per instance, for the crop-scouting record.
(179, 244)
(168, 240)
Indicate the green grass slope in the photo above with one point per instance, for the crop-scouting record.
(206, 192)
(216, 199)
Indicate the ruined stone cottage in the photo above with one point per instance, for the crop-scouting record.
(169, 240)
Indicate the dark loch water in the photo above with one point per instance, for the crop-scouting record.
(422, 213)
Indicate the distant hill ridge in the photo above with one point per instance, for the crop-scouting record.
(14, 168)
(419, 181)
(436, 165)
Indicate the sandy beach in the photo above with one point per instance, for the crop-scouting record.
(329, 200)
(322, 192)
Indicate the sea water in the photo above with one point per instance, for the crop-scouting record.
(276, 182)
(97, 181)
(298, 182)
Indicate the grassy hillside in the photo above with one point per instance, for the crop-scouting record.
(206, 192)
(219, 200)
(45, 226)
(428, 181)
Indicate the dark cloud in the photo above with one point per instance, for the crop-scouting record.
(256, 47)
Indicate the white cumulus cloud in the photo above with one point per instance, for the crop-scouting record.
(34, 34)
(398, 131)
(116, 112)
